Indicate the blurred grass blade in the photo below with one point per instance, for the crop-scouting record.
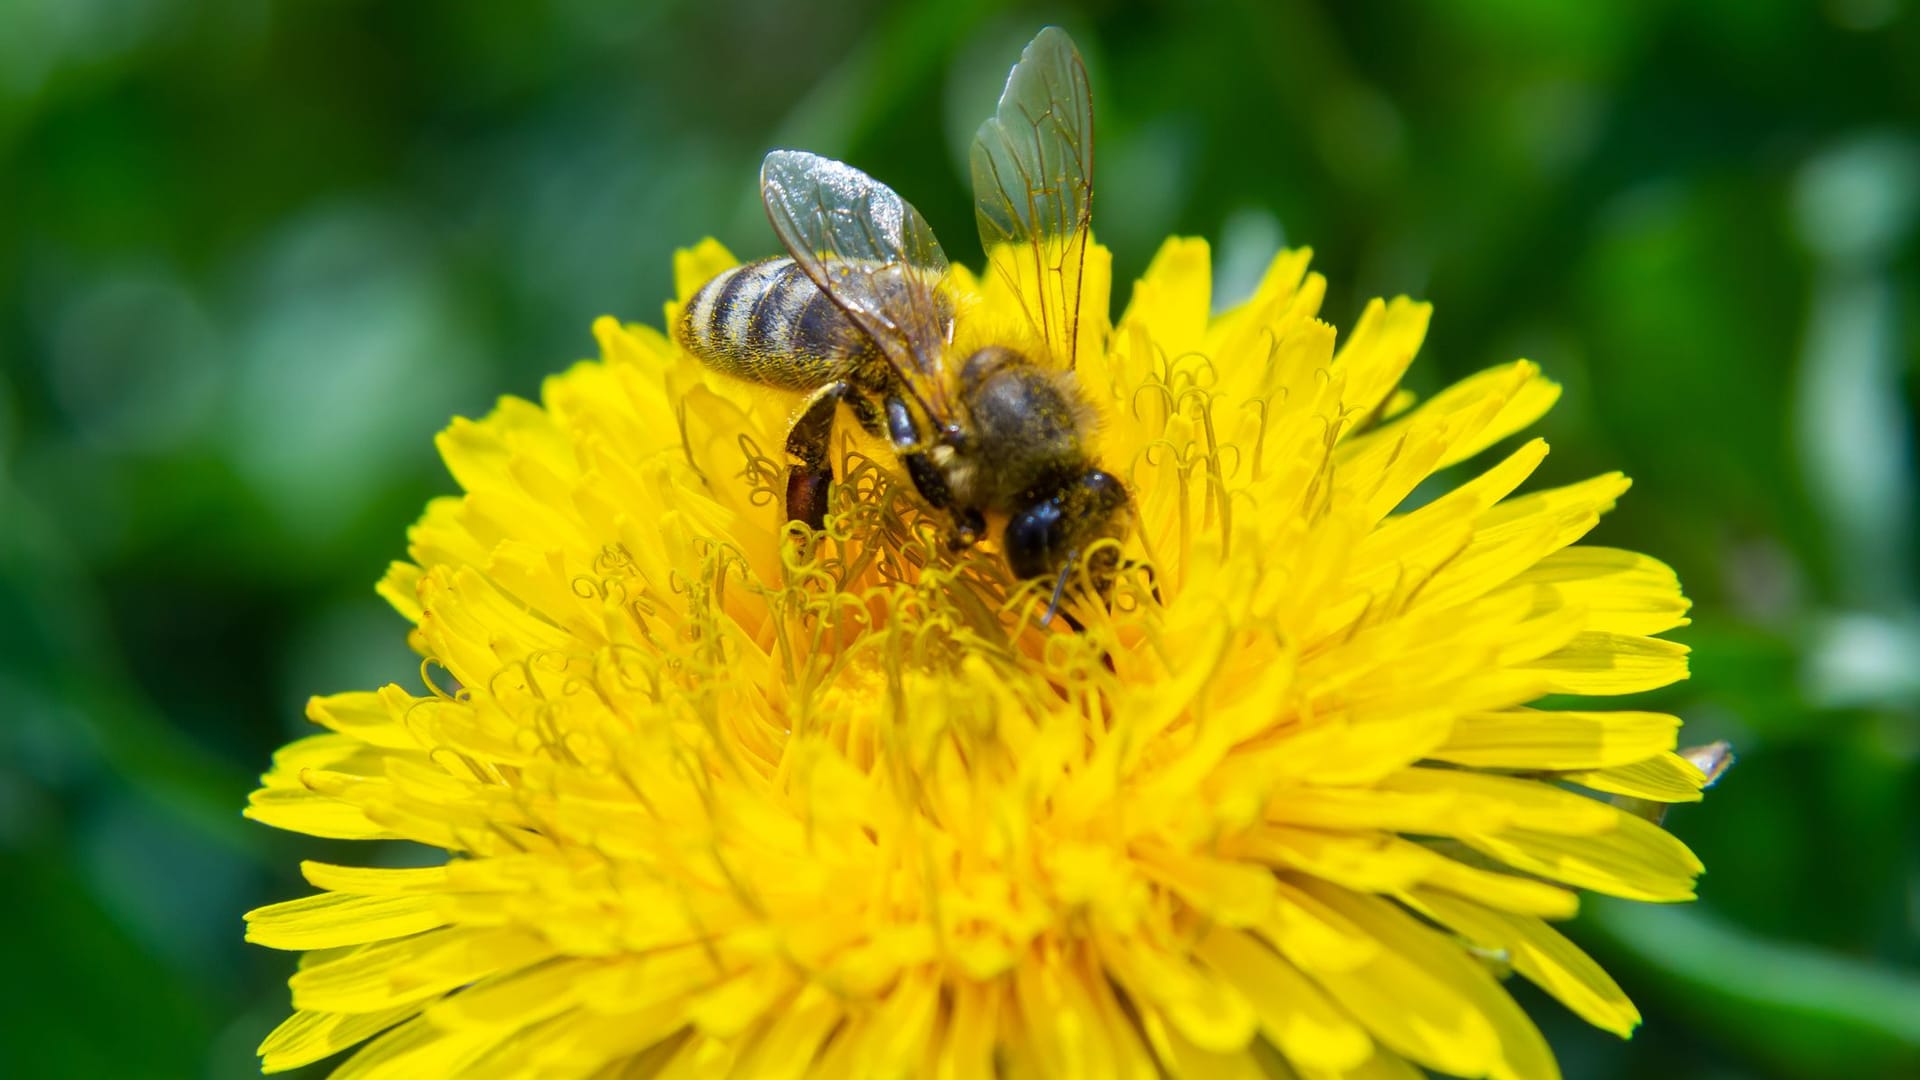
(1810, 1011)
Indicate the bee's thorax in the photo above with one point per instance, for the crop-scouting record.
(1024, 431)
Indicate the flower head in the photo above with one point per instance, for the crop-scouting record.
(723, 798)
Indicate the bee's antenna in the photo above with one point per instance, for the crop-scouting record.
(1060, 587)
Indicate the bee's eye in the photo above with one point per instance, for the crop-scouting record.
(1034, 540)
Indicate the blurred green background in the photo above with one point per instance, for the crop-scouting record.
(253, 255)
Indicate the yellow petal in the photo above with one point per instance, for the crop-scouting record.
(1556, 739)
(699, 264)
(413, 969)
(417, 1048)
(329, 919)
(1518, 1052)
(335, 753)
(1274, 308)
(379, 718)
(1636, 859)
(1197, 1004)
(1389, 462)
(398, 587)
(1666, 778)
(738, 1003)
(1602, 663)
(374, 881)
(301, 810)
(1232, 893)
(1294, 1015)
(1524, 396)
(306, 1037)
(517, 999)
(1624, 592)
(1542, 955)
(1378, 351)
(1508, 892)
(890, 1038)
(1181, 1057)
(966, 1046)
(1383, 1065)
(787, 1047)
(1428, 1015)
(1057, 1027)
(1173, 298)
(1518, 533)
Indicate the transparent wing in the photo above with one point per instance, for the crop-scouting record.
(874, 256)
(1033, 186)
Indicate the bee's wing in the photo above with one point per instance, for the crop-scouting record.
(1033, 187)
(873, 255)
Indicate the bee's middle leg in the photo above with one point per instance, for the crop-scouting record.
(809, 444)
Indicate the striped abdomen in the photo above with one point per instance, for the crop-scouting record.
(767, 322)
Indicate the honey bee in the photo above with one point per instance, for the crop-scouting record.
(858, 314)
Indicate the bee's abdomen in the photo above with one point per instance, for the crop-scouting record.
(768, 323)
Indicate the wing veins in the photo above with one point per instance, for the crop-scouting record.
(840, 225)
(1012, 278)
(1041, 136)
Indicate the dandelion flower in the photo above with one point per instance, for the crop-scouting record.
(717, 800)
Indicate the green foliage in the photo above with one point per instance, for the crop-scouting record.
(254, 255)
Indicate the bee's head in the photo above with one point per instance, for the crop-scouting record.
(1042, 540)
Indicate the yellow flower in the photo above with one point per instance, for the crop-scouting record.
(718, 803)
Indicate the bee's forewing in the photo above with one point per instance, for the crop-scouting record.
(1033, 187)
(872, 254)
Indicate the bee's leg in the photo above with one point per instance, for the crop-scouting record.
(968, 525)
(809, 443)
(907, 442)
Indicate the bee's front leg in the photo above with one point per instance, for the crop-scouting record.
(912, 446)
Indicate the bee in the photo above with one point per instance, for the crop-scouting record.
(858, 314)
